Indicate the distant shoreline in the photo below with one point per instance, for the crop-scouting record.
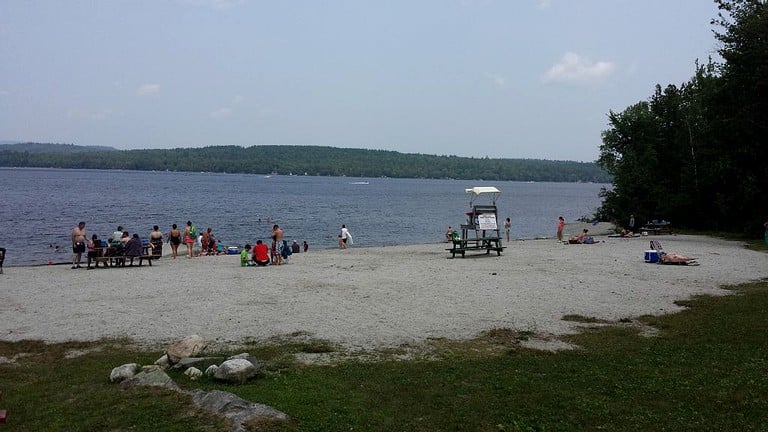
(299, 160)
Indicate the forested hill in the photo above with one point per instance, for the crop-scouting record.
(33, 147)
(312, 160)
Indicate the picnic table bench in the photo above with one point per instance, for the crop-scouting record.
(478, 241)
(488, 244)
(656, 227)
(112, 258)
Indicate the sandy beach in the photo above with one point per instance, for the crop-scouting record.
(366, 298)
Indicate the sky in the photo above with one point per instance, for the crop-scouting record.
(478, 78)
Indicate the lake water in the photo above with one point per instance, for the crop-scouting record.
(39, 207)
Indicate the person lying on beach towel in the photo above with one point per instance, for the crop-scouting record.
(673, 258)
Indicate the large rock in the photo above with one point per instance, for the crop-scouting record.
(153, 378)
(190, 346)
(246, 356)
(124, 372)
(236, 371)
(235, 409)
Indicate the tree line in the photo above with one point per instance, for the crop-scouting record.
(696, 154)
(312, 160)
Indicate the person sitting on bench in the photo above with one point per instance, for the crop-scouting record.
(133, 248)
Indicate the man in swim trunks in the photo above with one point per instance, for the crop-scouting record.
(79, 237)
(277, 239)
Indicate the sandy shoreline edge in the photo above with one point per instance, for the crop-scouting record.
(367, 298)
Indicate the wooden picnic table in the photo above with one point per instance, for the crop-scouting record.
(473, 239)
(111, 257)
(657, 228)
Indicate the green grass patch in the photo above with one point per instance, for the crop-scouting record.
(706, 369)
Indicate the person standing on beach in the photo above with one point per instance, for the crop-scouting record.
(631, 227)
(345, 236)
(190, 237)
(560, 225)
(507, 226)
(306, 246)
(277, 245)
(79, 237)
(174, 239)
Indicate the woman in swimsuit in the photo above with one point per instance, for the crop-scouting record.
(156, 241)
(174, 238)
(189, 238)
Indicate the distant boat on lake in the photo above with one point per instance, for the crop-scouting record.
(359, 183)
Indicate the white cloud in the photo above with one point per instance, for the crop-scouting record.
(221, 113)
(574, 68)
(148, 89)
(544, 4)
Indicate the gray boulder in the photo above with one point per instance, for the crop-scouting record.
(246, 356)
(235, 409)
(124, 372)
(235, 371)
(190, 346)
(152, 377)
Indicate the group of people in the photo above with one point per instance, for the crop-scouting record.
(205, 241)
(120, 243)
(263, 255)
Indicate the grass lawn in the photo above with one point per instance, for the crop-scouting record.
(706, 368)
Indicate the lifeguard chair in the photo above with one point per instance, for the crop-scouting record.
(481, 232)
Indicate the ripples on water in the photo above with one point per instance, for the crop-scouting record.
(41, 206)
